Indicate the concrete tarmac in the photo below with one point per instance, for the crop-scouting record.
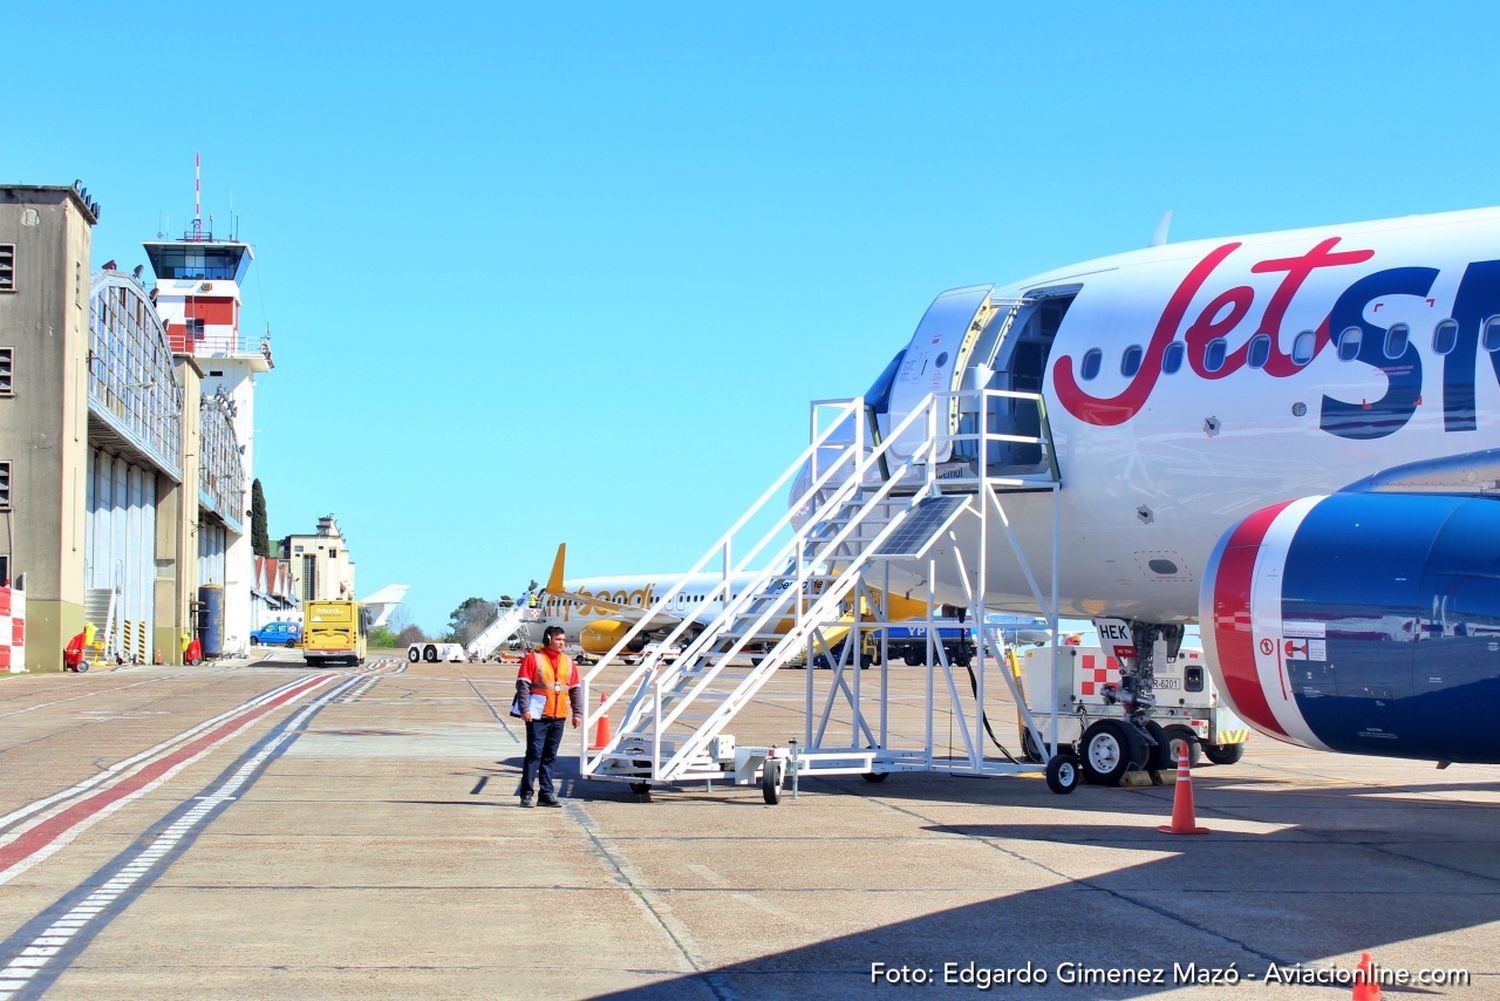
(258, 830)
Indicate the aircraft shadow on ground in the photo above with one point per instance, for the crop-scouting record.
(1325, 873)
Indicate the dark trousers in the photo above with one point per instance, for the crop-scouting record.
(542, 739)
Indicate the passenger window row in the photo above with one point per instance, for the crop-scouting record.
(1347, 342)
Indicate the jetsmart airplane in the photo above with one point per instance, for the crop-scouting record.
(1291, 438)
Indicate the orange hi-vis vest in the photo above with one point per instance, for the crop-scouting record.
(552, 683)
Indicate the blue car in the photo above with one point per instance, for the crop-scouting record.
(277, 634)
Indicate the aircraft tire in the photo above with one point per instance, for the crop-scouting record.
(1110, 748)
(1224, 754)
(1159, 757)
(1062, 773)
(1178, 734)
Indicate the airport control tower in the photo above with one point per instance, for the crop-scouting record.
(198, 295)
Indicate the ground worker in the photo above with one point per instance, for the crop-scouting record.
(547, 676)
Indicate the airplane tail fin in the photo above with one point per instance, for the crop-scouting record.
(555, 582)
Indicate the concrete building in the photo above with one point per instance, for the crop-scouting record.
(320, 565)
(45, 239)
(122, 483)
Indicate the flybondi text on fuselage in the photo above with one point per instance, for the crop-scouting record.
(566, 608)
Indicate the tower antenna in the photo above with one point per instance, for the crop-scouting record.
(197, 195)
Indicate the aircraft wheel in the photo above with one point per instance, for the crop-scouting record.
(1178, 736)
(1224, 754)
(1110, 747)
(1159, 756)
(1062, 773)
(770, 781)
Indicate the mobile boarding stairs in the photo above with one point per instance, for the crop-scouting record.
(864, 510)
(508, 622)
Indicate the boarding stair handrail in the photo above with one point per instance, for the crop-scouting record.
(845, 504)
(847, 410)
(507, 621)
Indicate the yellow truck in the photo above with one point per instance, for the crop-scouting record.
(333, 632)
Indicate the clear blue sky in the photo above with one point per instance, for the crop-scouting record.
(573, 271)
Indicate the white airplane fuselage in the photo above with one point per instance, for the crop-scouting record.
(1155, 466)
(1291, 438)
(595, 628)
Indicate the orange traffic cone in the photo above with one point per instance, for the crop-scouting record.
(1365, 987)
(1182, 801)
(601, 731)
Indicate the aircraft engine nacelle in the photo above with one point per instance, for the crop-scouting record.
(601, 637)
(1362, 622)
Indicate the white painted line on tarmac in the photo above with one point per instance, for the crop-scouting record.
(98, 906)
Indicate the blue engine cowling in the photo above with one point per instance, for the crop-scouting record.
(1362, 622)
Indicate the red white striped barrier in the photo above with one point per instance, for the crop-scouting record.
(12, 630)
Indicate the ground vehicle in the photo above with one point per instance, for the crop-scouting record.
(1188, 710)
(432, 652)
(288, 634)
(333, 632)
(909, 643)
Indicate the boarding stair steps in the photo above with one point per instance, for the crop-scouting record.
(99, 607)
(849, 518)
(507, 623)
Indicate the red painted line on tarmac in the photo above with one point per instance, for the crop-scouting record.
(52, 828)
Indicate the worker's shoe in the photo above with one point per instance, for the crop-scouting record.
(549, 801)
(526, 801)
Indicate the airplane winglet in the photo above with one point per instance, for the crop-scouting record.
(555, 582)
(1159, 238)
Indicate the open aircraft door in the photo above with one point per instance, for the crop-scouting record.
(935, 360)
